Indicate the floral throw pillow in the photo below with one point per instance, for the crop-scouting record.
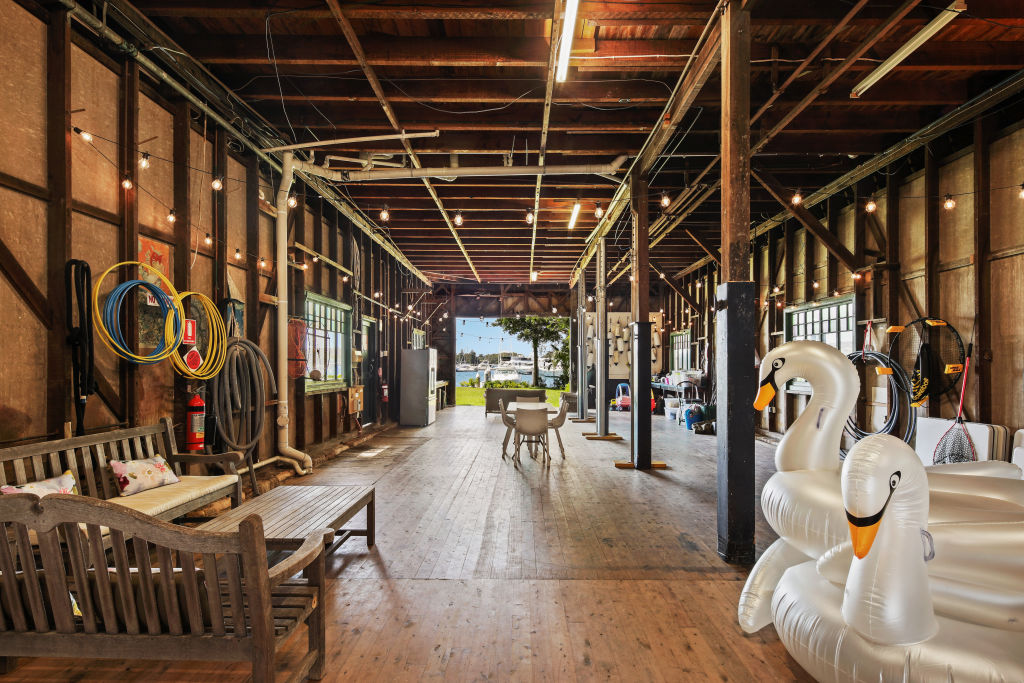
(65, 483)
(136, 476)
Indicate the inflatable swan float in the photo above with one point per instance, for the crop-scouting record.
(883, 625)
(802, 500)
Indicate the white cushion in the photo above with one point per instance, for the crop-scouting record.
(163, 498)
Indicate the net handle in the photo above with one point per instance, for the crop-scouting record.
(963, 387)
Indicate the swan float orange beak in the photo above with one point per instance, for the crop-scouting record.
(768, 388)
(864, 529)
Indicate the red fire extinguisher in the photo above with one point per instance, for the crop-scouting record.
(384, 393)
(195, 424)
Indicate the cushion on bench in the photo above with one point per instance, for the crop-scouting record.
(164, 498)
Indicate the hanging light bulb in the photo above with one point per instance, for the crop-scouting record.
(305, 266)
(292, 201)
(208, 240)
(554, 309)
(316, 258)
(263, 262)
(598, 211)
(775, 289)
(796, 198)
(144, 160)
(217, 184)
(835, 293)
(665, 201)
(661, 275)
(590, 298)
(814, 284)
(84, 134)
(410, 307)
(778, 304)
(385, 215)
(458, 218)
(344, 278)
(529, 217)
(871, 206)
(376, 295)
(534, 275)
(857, 276)
(949, 203)
(171, 217)
(238, 254)
(698, 284)
(127, 183)
(1021, 195)
(631, 278)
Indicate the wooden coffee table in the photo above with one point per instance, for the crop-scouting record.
(290, 513)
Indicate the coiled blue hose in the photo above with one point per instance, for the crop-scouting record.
(112, 320)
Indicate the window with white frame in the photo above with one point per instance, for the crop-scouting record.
(328, 343)
(832, 322)
(681, 358)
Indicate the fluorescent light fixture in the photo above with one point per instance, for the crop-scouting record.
(931, 28)
(565, 47)
(574, 216)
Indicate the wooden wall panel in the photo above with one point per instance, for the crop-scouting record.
(94, 89)
(23, 230)
(797, 261)
(201, 161)
(1007, 209)
(1008, 345)
(956, 240)
(23, 94)
(845, 230)
(23, 389)
(234, 189)
(202, 272)
(912, 226)
(957, 307)
(156, 183)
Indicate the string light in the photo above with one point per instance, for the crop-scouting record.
(949, 203)
(534, 275)
(835, 293)
(665, 201)
(171, 217)
(208, 240)
(376, 295)
(814, 284)
(410, 307)
(263, 262)
(661, 275)
(590, 298)
(385, 215)
(85, 135)
(698, 284)
(316, 259)
(1021, 195)
(127, 183)
(775, 289)
(344, 278)
(529, 217)
(631, 278)
(292, 201)
(778, 304)
(857, 276)
(217, 184)
(458, 218)
(796, 198)
(598, 211)
(871, 206)
(144, 160)
(554, 309)
(238, 254)
(305, 266)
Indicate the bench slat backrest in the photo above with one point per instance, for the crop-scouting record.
(87, 457)
(56, 575)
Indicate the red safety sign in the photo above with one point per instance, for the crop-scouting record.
(189, 335)
(193, 360)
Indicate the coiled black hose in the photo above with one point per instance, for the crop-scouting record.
(899, 383)
(240, 387)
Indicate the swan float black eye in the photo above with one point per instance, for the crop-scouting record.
(768, 388)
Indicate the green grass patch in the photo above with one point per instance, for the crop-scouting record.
(474, 396)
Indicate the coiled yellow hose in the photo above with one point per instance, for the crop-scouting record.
(216, 348)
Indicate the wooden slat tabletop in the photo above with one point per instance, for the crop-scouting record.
(291, 513)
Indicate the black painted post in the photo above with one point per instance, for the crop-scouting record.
(736, 313)
(581, 349)
(601, 341)
(640, 410)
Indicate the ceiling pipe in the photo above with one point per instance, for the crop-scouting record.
(344, 141)
(341, 176)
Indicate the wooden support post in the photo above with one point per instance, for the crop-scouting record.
(252, 245)
(331, 218)
(735, 306)
(931, 245)
(582, 381)
(220, 219)
(894, 274)
(182, 234)
(601, 346)
(58, 218)
(831, 262)
(982, 267)
(129, 248)
(640, 348)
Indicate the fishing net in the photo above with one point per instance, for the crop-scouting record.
(955, 445)
(932, 354)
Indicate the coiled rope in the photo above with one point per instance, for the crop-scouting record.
(108, 324)
(216, 346)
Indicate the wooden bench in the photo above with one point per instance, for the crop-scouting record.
(87, 458)
(161, 592)
(289, 513)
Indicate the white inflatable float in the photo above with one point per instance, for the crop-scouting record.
(976, 578)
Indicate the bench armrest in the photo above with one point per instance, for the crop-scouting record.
(226, 460)
(310, 549)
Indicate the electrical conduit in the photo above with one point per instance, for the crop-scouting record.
(281, 256)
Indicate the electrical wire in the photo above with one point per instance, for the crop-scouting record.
(216, 345)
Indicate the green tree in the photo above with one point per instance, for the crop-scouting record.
(535, 331)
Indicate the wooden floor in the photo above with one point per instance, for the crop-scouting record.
(488, 571)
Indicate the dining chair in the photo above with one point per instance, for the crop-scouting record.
(531, 428)
(557, 421)
(510, 426)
